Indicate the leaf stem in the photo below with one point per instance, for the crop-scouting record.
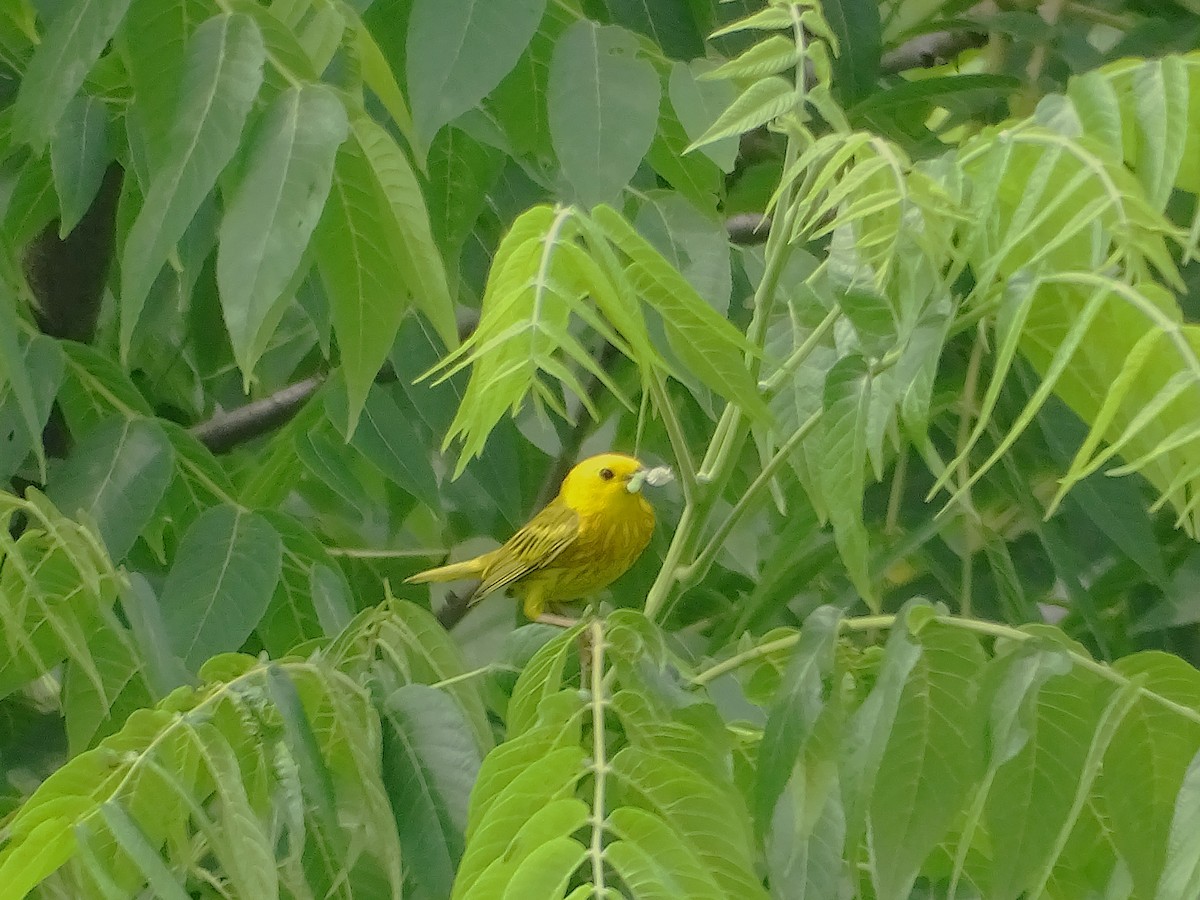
(683, 456)
(780, 376)
(731, 429)
(599, 760)
(712, 547)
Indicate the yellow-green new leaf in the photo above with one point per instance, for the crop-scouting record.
(708, 344)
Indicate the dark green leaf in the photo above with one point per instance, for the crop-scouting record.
(794, 712)
(220, 583)
(79, 154)
(221, 79)
(458, 51)
(857, 27)
(116, 476)
(671, 24)
(430, 760)
(40, 363)
(386, 437)
(271, 212)
(603, 104)
(843, 470)
(932, 759)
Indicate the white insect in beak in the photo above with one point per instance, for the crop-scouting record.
(656, 477)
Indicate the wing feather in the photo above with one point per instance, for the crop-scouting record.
(533, 547)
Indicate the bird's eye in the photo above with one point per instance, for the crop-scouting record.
(606, 474)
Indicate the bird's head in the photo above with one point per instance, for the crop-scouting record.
(602, 482)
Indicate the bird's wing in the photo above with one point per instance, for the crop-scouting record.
(533, 547)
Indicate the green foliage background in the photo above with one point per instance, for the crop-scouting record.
(299, 297)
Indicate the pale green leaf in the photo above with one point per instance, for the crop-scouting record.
(763, 101)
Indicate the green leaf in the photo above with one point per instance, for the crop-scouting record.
(870, 727)
(361, 276)
(79, 156)
(856, 66)
(271, 212)
(94, 388)
(699, 103)
(1032, 794)
(519, 102)
(541, 678)
(458, 50)
(386, 437)
(1180, 879)
(654, 861)
(312, 598)
(843, 471)
(378, 76)
(546, 871)
(26, 864)
(461, 172)
(762, 102)
(138, 847)
(70, 47)
(676, 26)
(39, 361)
(695, 243)
(697, 811)
(95, 709)
(220, 583)
(416, 254)
(1147, 762)
(712, 348)
(932, 758)
(430, 762)
(31, 204)
(533, 808)
(695, 176)
(221, 79)
(153, 45)
(116, 475)
(427, 653)
(603, 105)
(793, 714)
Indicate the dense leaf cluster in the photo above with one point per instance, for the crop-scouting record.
(445, 247)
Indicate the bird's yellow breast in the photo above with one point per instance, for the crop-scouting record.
(610, 541)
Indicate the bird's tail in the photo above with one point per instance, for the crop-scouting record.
(469, 568)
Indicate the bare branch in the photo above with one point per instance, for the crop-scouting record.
(229, 428)
(929, 50)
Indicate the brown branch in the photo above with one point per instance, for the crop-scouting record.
(928, 50)
(228, 428)
(748, 229)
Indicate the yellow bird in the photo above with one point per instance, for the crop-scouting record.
(582, 541)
